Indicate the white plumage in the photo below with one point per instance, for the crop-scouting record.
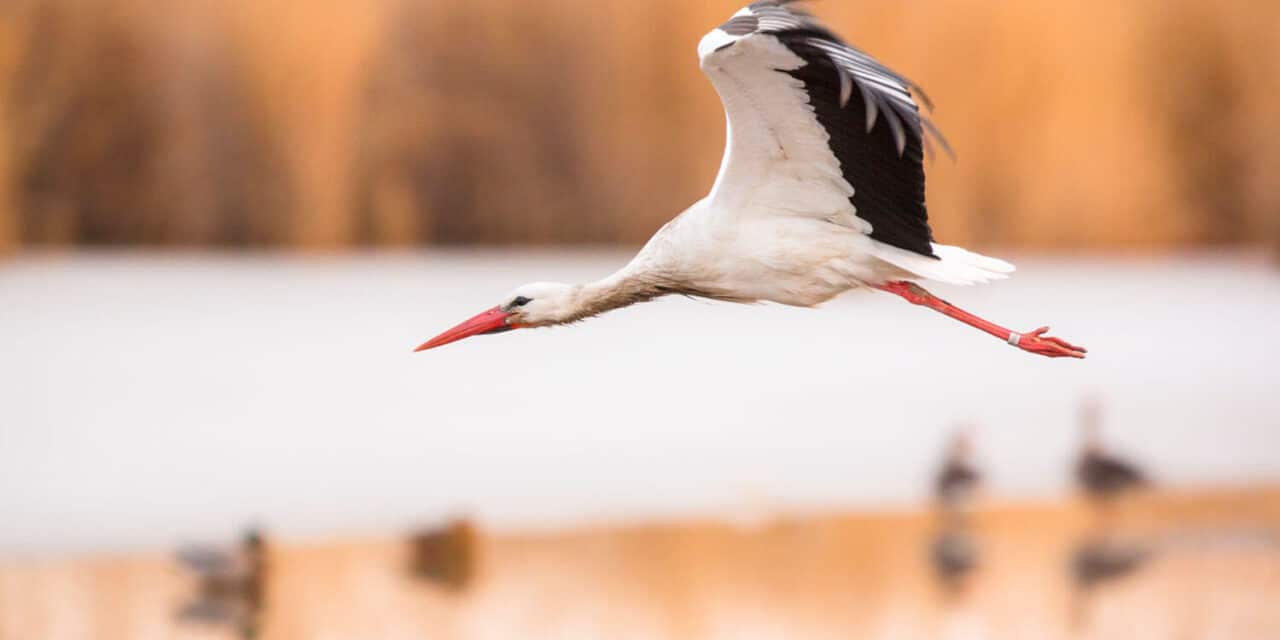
(821, 190)
(779, 176)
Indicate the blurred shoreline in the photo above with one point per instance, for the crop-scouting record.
(1168, 510)
(846, 574)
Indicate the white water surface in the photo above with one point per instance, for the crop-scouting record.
(147, 399)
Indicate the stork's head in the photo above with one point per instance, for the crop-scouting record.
(533, 305)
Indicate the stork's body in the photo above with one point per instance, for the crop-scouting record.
(741, 255)
(821, 191)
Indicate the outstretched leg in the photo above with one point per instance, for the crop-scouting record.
(1034, 342)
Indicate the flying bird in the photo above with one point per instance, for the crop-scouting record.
(821, 191)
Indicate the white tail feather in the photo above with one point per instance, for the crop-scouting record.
(953, 266)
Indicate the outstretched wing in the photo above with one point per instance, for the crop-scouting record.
(818, 127)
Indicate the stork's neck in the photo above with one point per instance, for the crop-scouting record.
(626, 287)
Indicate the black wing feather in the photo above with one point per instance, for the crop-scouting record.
(885, 165)
(879, 138)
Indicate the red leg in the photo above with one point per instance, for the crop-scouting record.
(1034, 342)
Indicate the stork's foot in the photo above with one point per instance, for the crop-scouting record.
(1035, 342)
(1038, 343)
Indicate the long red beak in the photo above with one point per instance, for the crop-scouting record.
(491, 321)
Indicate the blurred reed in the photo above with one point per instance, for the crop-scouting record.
(398, 122)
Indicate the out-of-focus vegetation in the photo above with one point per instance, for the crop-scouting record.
(388, 122)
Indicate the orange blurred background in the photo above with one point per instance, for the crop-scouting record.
(397, 122)
(680, 471)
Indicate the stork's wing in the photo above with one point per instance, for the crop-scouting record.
(818, 127)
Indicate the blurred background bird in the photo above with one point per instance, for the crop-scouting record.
(230, 585)
(445, 556)
(1097, 562)
(1101, 474)
(955, 552)
(959, 480)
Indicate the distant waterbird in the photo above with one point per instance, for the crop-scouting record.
(231, 585)
(958, 479)
(821, 191)
(445, 556)
(1097, 562)
(954, 553)
(1101, 474)
(954, 556)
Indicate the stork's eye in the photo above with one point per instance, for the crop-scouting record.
(520, 301)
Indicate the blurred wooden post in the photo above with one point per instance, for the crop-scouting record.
(8, 217)
(307, 63)
(1275, 243)
(8, 232)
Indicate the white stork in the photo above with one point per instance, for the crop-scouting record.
(821, 191)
